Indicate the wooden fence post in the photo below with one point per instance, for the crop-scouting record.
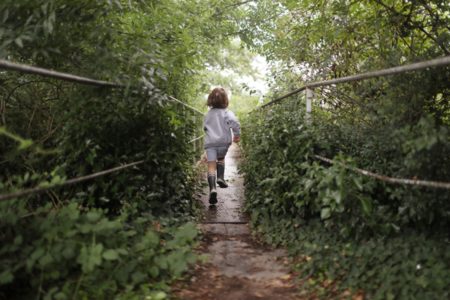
(309, 99)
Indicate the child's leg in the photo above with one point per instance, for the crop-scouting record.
(212, 167)
(211, 155)
(221, 173)
(221, 168)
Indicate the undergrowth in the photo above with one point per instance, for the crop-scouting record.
(403, 266)
(68, 254)
(122, 236)
(125, 235)
(352, 234)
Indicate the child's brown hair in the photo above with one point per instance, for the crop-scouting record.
(218, 98)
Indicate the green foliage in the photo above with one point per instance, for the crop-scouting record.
(349, 224)
(121, 235)
(230, 68)
(60, 243)
(360, 233)
(408, 266)
(63, 253)
(336, 38)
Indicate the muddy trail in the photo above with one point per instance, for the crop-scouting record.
(238, 267)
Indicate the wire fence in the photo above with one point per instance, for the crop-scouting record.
(40, 189)
(194, 134)
(438, 62)
(7, 65)
(196, 114)
(424, 183)
(308, 88)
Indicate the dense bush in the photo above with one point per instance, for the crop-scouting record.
(65, 253)
(121, 235)
(404, 266)
(352, 233)
(103, 238)
(344, 221)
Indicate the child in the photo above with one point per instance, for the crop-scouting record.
(217, 124)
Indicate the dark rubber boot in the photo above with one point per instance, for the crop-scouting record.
(212, 189)
(221, 175)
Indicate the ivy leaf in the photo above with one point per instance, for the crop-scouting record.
(6, 277)
(154, 271)
(110, 254)
(19, 42)
(93, 216)
(159, 296)
(366, 204)
(358, 182)
(325, 213)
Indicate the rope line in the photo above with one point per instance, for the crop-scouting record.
(7, 65)
(4, 64)
(186, 105)
(426, 183)
(40, 189)
(284, 96)
(196, 139)
(438, 62)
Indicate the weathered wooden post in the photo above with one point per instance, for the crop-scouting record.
(309, 99)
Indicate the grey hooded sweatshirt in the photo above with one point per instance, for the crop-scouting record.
(217, 125)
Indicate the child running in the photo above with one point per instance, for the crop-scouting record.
(217, 124)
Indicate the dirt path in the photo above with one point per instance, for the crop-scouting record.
(238, 267)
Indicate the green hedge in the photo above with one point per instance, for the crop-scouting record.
(390, 241)
(125, 235)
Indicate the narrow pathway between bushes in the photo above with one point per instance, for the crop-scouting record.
(238, 267)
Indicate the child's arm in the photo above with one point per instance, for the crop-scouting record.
(234, 124)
